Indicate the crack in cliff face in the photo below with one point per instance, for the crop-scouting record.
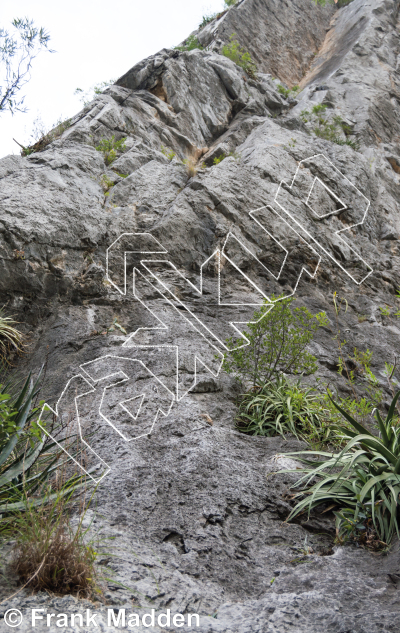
(159, 90)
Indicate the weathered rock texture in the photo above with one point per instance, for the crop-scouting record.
(196, 514)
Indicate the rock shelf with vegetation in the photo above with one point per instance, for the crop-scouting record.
(218, 510)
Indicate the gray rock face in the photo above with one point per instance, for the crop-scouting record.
(194, 510)
(282, 36)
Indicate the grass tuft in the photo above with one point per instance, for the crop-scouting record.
(11, 339)
(49, 555)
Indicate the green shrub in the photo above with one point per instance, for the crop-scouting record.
(230, 3)
(362, 481)
(277, 336)
(110, 147)
(288, 92)
(240, 56)
(169, 153)
(218, 159)
(279, 407)
(190, 44)
(317, 109)
(355, 368)
(328, 129)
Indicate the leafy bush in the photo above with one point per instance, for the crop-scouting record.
(230, 3)
(10, 337)
(190, 44)
(110, 147)
(279, 407)
(277, 337)
(362, 481)
(240, 56)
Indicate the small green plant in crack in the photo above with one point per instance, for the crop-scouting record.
(318, 109)
(385, 311)
(218, 159)
(169, 153)
(106, 184)
(110, 147)
(305, 116)
(240, 56)
(235, 155)
(288, 92)
(116, 326)
(207, 19)
(189, 44)
(328, 129)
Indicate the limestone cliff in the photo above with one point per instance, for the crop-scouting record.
(198, 524)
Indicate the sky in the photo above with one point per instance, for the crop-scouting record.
(94, 41)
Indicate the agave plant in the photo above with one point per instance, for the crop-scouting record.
(362, 481)
(280, 407)
(26, 458)
(9, 335)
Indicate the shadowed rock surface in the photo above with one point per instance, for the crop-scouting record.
(194, 511)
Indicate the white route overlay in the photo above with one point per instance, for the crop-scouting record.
(120, 388)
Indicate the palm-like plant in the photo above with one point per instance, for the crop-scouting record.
(27, 459)
(279, 407)
(363, 480)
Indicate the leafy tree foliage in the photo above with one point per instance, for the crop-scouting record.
(277, 338)
(17, 52)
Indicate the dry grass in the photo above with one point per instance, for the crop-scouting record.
(191, 165)
(49, 554)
